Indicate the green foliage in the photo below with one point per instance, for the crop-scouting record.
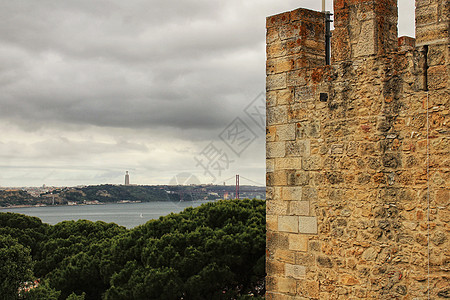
(74, 296)
(215, 251)
(15, 197)
(74, 196)
(115, 193)
(43, 291)
(71, 258)
(15, 266)
(29, 231)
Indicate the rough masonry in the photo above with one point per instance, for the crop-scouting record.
(358, 164)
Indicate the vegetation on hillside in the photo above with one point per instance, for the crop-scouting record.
(15, 197)
(108, 193)
(105, 193)
(215, 251)
(115, 193)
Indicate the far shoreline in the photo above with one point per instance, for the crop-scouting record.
(85, 204)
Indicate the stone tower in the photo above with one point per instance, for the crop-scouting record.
(127, 178)
(358, 154)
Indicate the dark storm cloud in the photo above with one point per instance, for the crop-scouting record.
(127, 64)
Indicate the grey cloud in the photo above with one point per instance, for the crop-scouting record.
(142, 72)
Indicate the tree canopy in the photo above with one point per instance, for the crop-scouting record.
(215, 251)
(15, 266)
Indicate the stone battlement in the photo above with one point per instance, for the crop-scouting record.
(358, 164)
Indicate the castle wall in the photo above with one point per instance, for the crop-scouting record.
(358, 164)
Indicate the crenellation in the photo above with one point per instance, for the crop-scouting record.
(358, 154)
(364, 28)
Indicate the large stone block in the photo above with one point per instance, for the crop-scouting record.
(275, 149)
(304, 93)
(286, 132)
(279, 65)
(309, 288)
(427, 14)
(340, 45)
(298, 242)
(295, 271)
(432, 34)
(303, 14)
(271, 98)
(438, 77)
(309, 129)
(277, 115)
(291, 193)
(284, 255)
(277, 240)
(277, 207)
(298, 148)
(276, 82)
(288, 163)
(299, 208)
(287, 285)
(272, 35)
(309, 193)
(276, 49)
(279, 178)
(366, 43)
(296, 78)
(275, 268)
(442, 197)
(288, 224)
(284, 97)
(307, 225)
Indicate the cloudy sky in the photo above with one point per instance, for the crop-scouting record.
(92, 88)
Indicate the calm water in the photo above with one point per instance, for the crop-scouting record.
(127, 214)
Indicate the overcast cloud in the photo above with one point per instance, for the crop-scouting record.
(92, 88)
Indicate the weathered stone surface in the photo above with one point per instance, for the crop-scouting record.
(276, 149)
(358, 167)
(295, 271)
(324, 261)
(349, 280)
(299, 208)
(277, 207)
(276, 115)
(298, 242)
(286, 132)
(292, 193)
(287, 285)
(298, 148)
(276, 82)
(307, 225)
(288, 163)
(311, 163)
(279, 65)
(288, 223)
(437, 78)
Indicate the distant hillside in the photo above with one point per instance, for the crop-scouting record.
(108, 193)
(105, 193)
(115, 193)
(16, 197)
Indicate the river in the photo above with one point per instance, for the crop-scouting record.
(126, 214)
